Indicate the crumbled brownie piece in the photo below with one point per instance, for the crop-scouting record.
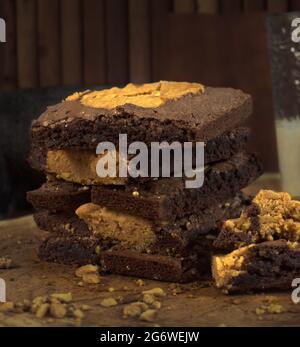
(271, 216)
(263, 266)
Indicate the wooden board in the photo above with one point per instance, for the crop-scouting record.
(139, 41)
(71, 42)
(94, 42)
(49, 43)
(197, 304)
(27, 44)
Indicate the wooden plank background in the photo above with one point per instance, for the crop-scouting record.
(102, 42)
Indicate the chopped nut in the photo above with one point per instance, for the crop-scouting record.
(86, 269)
(148, 316)
(111, 289)
(140, 282)
(259, 311)
(37, 302)
(57, 310)
(135, 193)
(85, 307)
(91, 278)
(275, 308)
(108, 302)
(64, 297)
(77, 313)
(132, 310)
(156, 305)
(156, 292)
(42, 310)
(148, 298)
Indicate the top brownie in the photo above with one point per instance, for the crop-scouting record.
(154, 112)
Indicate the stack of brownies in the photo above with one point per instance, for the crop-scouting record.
(146, 227)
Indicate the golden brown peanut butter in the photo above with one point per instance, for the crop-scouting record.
(278, 217)
(78, 167)
(146, 95)
(225, 267)
(131, 231)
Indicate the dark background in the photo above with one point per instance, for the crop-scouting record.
(57, 46)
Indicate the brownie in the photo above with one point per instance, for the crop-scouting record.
(142, 235)
(192, 267)
(220, 148)
(264, 266)
(59, 196)
(270, 216)
(193, 264)
(168, 199)
(169, 111)
(65, 223)
(79, 250)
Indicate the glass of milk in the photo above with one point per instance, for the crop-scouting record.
(284, 48)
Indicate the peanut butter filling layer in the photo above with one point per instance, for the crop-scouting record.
(134, 232)
(78, 167)
(278, 217)
(146, 95)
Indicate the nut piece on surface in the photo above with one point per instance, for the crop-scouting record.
(148, 316)
(42, 311)
(132, 310)
(57, 310)
(64, 297)
(159, 292)
(156, 305)
(148, 298)
(89, 274)
(77, 313)
(108, 302)
(86, 269)
(91, 278)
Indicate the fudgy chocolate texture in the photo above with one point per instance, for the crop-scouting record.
(162, 268)
(64, 223)
(192, 265)
(192, 117)
(271, 216)
(263, 266)
(79, 250)
(168, 199)
(169, 239)
(220, 148)
(59, 196)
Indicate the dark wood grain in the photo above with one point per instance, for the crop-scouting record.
(208, 6)
(253, 5)
(229, 6)
(117, 41)
(294, 5)
(159, 14)
(27, 43)
(184, 6)
(94, 56)
(8, 50)
(49, 43)
(139, 41)
(71, 42)
(275, 6)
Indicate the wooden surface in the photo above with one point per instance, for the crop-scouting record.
(197, 305)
